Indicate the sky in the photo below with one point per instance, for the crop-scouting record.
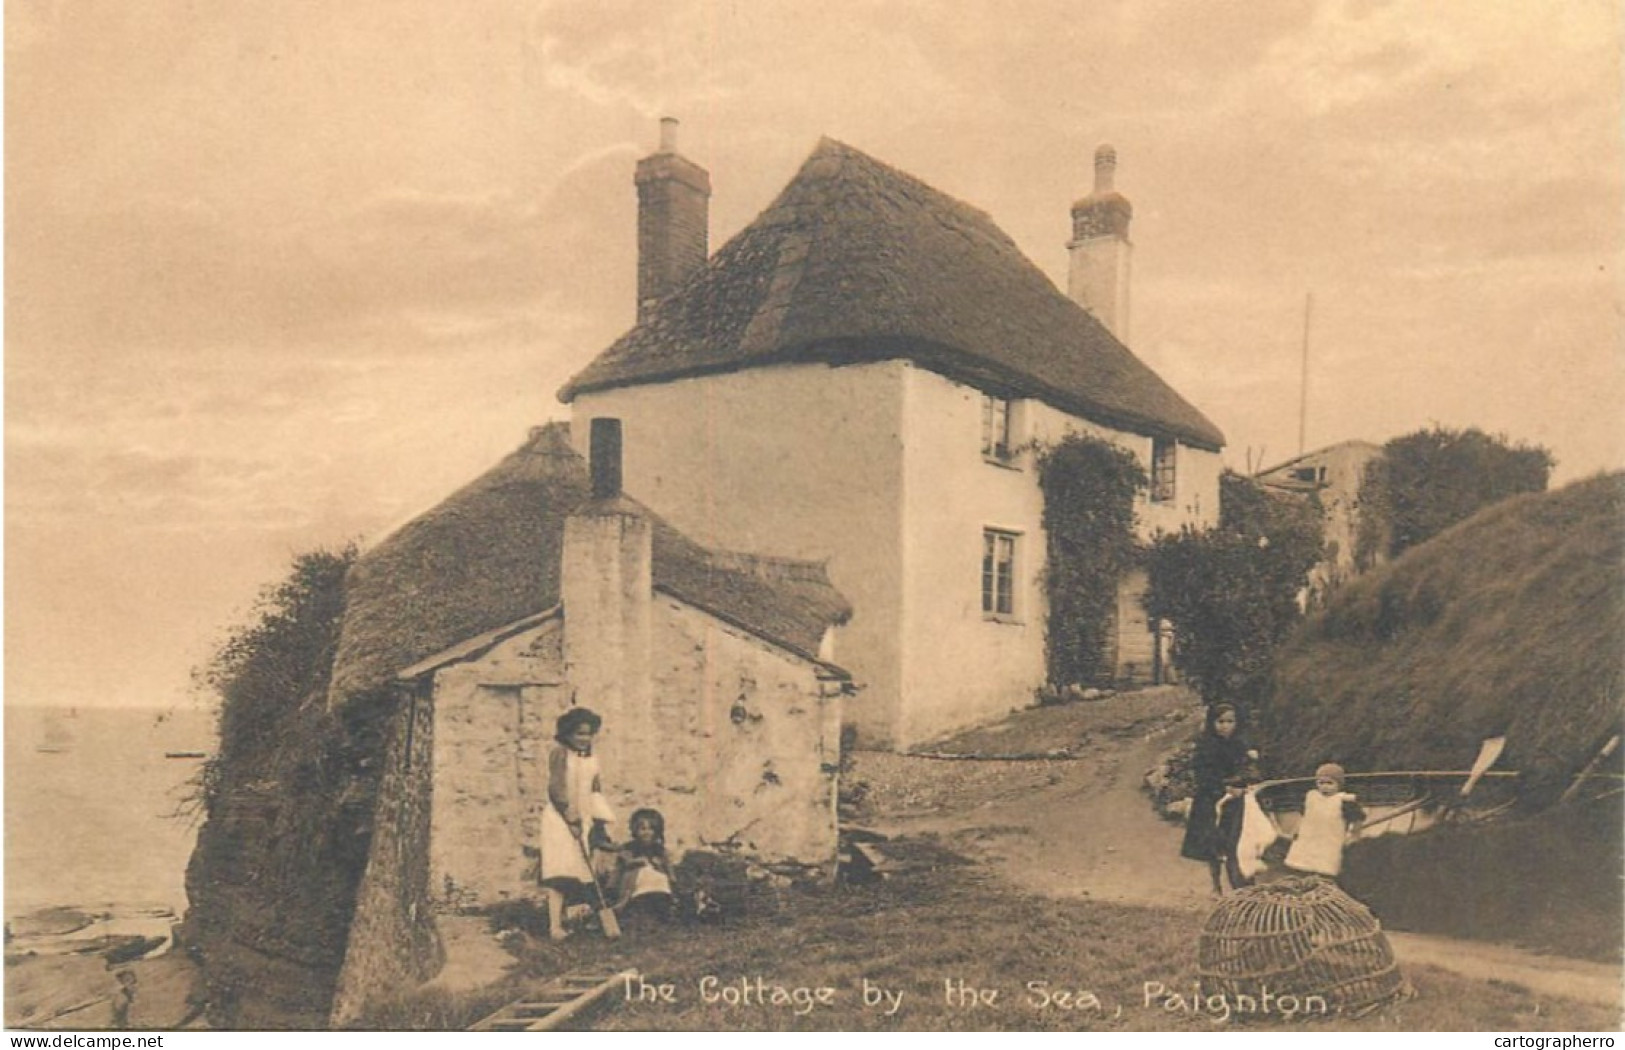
(281, 276)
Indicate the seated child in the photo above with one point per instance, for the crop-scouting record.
(1328, 811)
(643, 871)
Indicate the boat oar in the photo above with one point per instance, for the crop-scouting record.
(1574, 788)
(1487, 755)
(1409, 807)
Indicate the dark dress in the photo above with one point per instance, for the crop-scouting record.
(1216, 759)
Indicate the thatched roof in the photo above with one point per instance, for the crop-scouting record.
(1511, 623)
(490, 556)
(858, 261)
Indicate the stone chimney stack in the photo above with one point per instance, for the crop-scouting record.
(606, 585)
(674, 217)
(1100, 249)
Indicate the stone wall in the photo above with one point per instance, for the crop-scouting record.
(745, 741)
(494, 722)
(393, 945)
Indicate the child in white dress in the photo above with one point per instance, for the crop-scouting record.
(575, 802)
(1328, 811)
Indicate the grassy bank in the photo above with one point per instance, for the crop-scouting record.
(940, 925)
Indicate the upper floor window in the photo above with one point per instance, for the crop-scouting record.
(998, 416)
(1162, 470)
(999, 552)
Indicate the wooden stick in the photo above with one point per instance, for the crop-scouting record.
(606, 914)
(1574, 788)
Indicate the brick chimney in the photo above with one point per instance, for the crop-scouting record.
(1100, 249)
(606, 586)
(674, 216)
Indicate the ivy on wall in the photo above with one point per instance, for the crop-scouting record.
(1089, 487)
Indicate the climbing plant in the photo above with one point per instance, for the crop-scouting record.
(1089, 487)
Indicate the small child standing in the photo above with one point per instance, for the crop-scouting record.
(643, 871)
(1328, 811)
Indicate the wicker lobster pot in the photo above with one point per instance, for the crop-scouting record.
(1298, 936)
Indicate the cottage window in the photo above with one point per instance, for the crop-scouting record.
(999, 551)
(1162, 470)
(997, 416)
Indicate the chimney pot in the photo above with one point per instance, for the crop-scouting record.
(1105, 169)
(668, 134)
(604, 458)
(1100, 249)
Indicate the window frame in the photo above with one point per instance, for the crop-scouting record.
(997, 570)
(1164, 469)
(999, 426)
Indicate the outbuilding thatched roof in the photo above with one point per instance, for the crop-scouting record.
(490, 555)
(858, 261)
(1511, 623)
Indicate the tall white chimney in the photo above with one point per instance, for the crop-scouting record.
(1100, 249)
(606, 585)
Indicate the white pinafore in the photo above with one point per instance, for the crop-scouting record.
(562, 852)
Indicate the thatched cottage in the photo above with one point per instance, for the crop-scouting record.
(862, 377)
(538, 587)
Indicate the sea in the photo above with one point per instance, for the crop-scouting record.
(100, 810)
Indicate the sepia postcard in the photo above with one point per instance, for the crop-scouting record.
(875, 517)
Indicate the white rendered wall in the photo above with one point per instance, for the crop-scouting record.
(961, 667)
(801, 461)
(811, 461)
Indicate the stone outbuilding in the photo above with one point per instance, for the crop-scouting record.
(539, 587)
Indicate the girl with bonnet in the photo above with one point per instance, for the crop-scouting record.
(576, 815)
(1221, 754)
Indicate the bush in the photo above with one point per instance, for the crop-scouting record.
(1231, 593)
(271, 666)
(1429, 480)
(272, 879)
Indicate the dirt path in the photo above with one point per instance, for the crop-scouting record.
(1083, 827)
(1084, 830)
(1587, 982)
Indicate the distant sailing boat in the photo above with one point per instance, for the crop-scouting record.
(58, 737)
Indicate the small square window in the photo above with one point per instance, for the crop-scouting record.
(1162, 470)
(999, 558)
